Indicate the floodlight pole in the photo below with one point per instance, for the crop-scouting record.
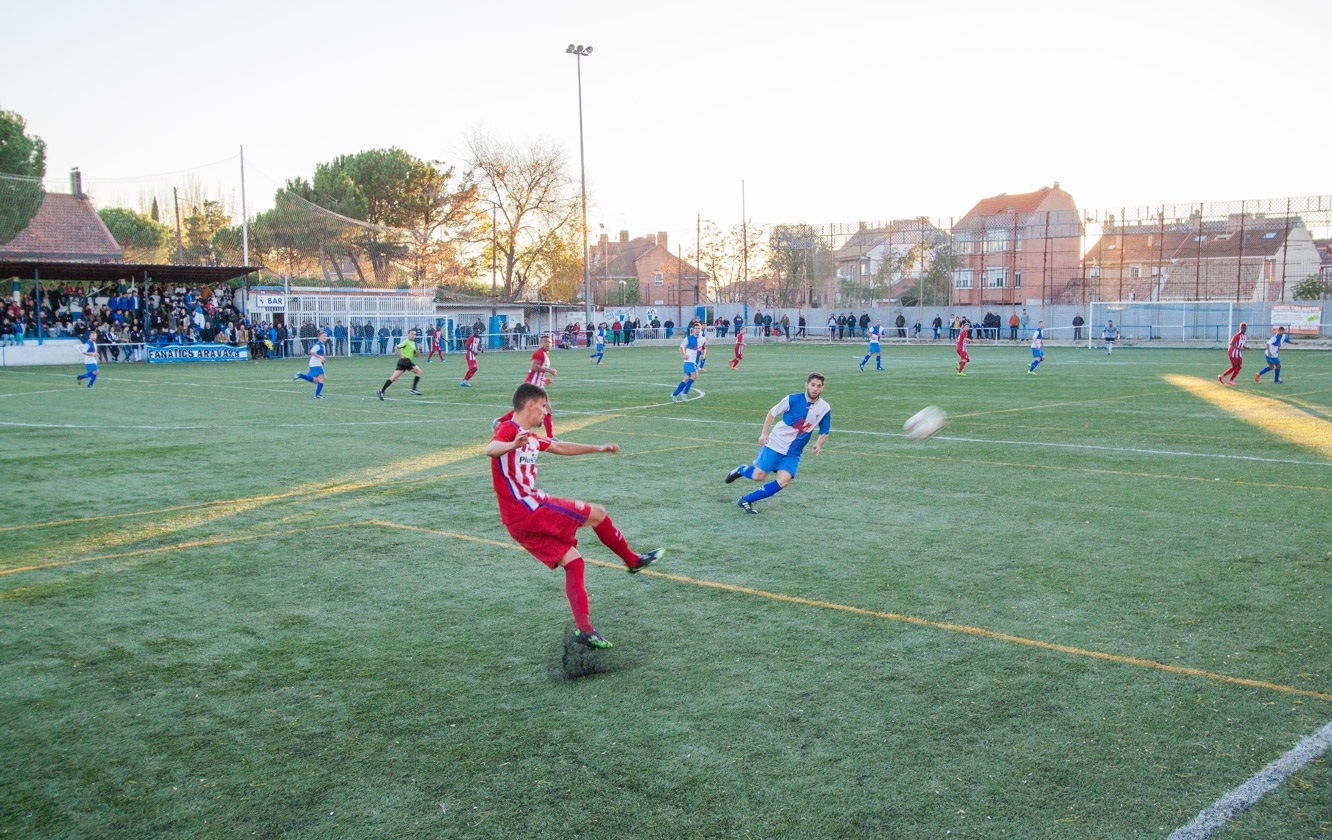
(578, 52)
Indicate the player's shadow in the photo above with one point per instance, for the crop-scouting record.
(575, 661)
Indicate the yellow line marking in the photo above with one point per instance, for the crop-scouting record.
(920, 622)
(1273, 416)
(176, 547)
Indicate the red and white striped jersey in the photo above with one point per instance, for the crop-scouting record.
(536, 376)
(515, 474)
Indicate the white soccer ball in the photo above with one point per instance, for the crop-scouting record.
(925, 424)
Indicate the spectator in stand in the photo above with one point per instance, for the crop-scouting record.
(339, 339)
(1077, 327)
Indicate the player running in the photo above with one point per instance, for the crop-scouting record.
(407, 351)
(739, 349)
(1236, 354)
(1273, 356)
(963, 339)
(780, 451)
(316, 374)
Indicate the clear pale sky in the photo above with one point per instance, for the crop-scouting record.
(835, 111)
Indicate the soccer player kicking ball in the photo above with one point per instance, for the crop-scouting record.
(1273, 356)
(316, 374)
(1235, 352)
(779, 452)
(545, 525)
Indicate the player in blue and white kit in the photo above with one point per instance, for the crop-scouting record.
(875, 333)
(316, 374)
(601, 344)
(89, 358)
(702, 346)
(796, 418)
(1272, 356)
(688, 349)
(1037, 347)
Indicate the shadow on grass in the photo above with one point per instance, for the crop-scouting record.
(577, 661)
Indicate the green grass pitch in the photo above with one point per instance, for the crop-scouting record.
(1097, 602)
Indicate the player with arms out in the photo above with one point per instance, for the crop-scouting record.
(471, 347)
(546, 525)
(1273, 356)
(1235, 352)
(796, 417)
(1037, 347)
(406, 355)
(539, 372)
(316, 374)
(739, 349)
(89, 357)
(963, 339)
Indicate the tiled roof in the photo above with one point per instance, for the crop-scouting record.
(66, 227)
(1015, 203)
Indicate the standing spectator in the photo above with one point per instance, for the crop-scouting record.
(316, 374)
(470, 350)
(796, 417)
(1077, 327)
(936, 325)
(406, 355)
(384, 336)
(864, 324)
(758, 322)
(786, 326)
(670, 328)
(800, 326)
(1235, 352)
(738, 322)
(1013, 322)
(767, 325)
(617, 329)
(900, 323)
(339, 339)
(546, 525)
(832, 326)
(1026, 322)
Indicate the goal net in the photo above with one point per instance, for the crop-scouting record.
(1144, 321)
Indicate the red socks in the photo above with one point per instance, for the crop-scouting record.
(611, 537)
(576, 592)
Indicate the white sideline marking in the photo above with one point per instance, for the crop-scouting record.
(1245, 796)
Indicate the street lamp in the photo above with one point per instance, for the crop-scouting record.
(578, 52)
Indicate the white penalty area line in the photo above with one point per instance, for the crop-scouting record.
(1244, 797)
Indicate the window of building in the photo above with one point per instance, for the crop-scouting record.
(996, 278)
(1017, 279)
(659, 279)
(962, 279)
(996, 241)
(1271, 234)
(1135, 271)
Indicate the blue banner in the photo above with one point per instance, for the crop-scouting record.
(197, 353)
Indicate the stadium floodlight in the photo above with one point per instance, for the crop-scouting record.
(578, 52)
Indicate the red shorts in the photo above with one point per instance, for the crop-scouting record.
(551, 530)
(964, 355)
